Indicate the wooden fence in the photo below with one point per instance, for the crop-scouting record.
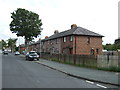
(83, 60)
(101, 61)
(106, 61)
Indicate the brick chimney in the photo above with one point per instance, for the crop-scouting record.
(56, 32)
(46, 37)
(73, 26)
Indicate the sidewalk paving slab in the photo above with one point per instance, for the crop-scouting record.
(83, 73)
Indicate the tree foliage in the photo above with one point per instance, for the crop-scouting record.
(3, 44)
(117, 41)
(111, 47)
(12, 43)
(25, 23)
(16, 48)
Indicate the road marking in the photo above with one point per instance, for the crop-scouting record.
(101, 86)
(117, 73)
(89, 82)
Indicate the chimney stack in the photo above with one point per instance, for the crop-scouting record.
(46, 37)
(73, 26)
(56, 32)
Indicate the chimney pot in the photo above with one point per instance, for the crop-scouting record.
(56, 32)
(46, 37)
(73, 26)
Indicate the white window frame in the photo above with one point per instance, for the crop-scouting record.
(71, 38)
(64, 39)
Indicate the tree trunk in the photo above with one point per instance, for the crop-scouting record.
(26, 44)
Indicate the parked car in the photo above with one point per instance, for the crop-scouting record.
(32, 55)
(38, 53)
(17, 53)
(5, 52)
(0, 51)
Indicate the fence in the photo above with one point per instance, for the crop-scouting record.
(107, 61)
(82, 60)
(101, 61)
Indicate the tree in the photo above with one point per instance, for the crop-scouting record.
(16, 48)
(12, 44)
(3, 44)
(117, 41)
(111, 47)
(108, 47)
(26, 24)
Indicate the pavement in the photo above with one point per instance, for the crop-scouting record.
(94, 75)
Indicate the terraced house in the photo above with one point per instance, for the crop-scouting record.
(76, 40)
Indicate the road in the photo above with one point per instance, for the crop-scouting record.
(19, 73)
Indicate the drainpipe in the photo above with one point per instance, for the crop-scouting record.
(75, 52)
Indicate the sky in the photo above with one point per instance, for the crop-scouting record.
(100, 16)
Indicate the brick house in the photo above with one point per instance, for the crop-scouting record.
(34, 46)
(76, 40)
(22, 47)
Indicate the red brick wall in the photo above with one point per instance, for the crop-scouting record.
(65, 46)
(52, 46)
(70, 47)
(83, 47)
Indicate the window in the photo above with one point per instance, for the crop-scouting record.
(92, 51)
(88, 40)
(48, 42)
(56, 40)
(64, 39)
(42, 43)
(71, 50)
(71, 38)
(51, 41)
(97, 50)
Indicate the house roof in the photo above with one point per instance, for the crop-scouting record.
(75, 31)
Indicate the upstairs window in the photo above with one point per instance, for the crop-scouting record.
(56, 40)
(71, 38)
(64, 39)
(88, 40)
(42, 43)
(48, 42)
(51, 41)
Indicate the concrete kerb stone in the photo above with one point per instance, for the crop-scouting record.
(76, 76)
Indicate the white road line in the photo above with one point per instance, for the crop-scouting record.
(89, 82)
(117, 73)
(101, 86)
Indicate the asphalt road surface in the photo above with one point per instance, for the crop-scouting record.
(19, 73)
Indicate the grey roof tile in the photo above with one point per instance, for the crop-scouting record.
(74, 31)
(83, 31)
